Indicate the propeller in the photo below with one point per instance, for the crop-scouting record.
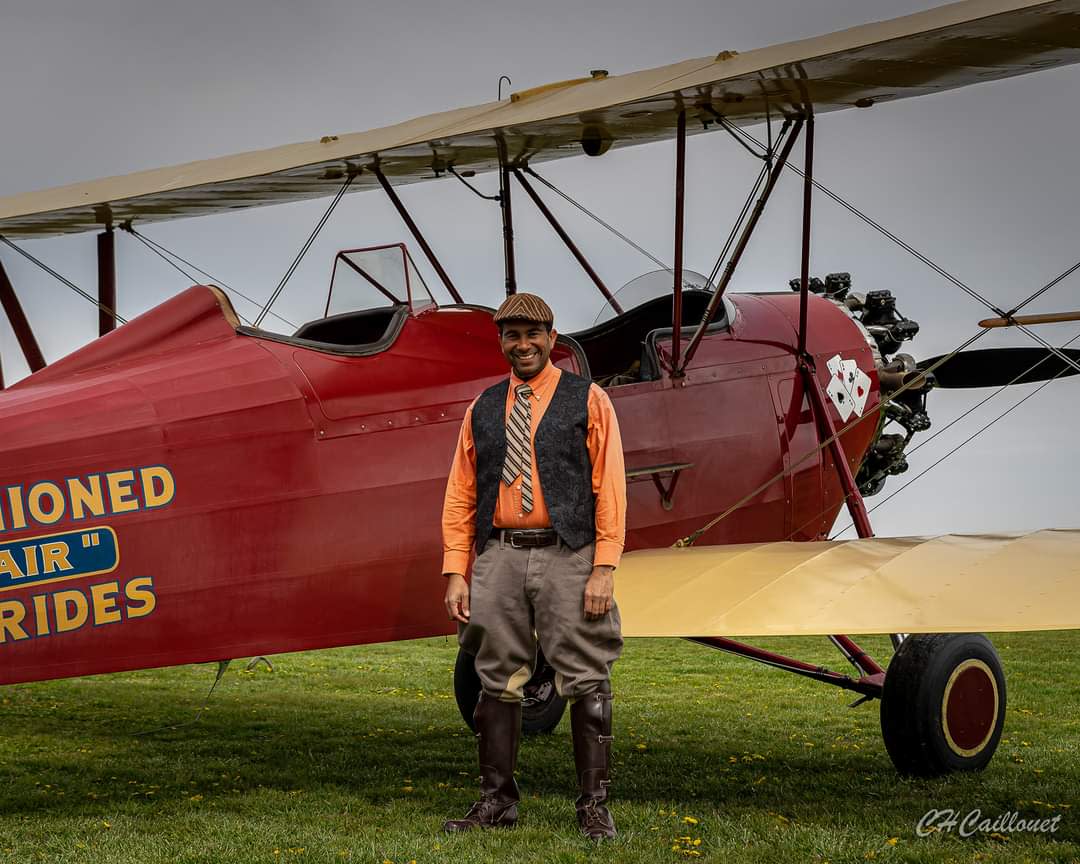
(994, 367)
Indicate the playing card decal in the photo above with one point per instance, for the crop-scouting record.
(848, 387)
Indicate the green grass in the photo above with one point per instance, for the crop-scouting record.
(359, 754)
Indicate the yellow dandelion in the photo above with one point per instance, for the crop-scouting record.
(689, 820)
(892, 841)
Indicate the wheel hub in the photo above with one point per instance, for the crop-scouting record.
(969, 707)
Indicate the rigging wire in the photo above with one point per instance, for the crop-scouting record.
(304, 249)
(763, 175)
(973, 436)
(877, 226)
(84, 294)
(162, 251)
(971, 292)
(692, 537)
(689, 539)
(767, 157)
(1044, 289)
(528, 170)
(943, 429)
(162, 256)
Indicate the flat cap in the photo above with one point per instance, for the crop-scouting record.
(524, 307)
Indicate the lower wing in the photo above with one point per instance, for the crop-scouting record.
(942, 584)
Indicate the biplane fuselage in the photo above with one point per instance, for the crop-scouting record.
(187, 490)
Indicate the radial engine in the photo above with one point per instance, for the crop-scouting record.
(903, 386)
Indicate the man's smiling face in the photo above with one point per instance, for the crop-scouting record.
(526, 346)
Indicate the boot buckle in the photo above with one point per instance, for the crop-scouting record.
(605, 739)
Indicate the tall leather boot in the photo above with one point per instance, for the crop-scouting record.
(498, 731)
(590, 724)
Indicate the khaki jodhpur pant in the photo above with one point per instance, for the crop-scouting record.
(515, 592)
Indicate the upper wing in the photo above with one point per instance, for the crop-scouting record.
(944, 584)
(951, 46)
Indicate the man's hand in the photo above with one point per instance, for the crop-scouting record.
(599, 592)
(457, 598)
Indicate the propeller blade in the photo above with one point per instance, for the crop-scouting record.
(994, 367)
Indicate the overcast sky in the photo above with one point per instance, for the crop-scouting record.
(981, 180)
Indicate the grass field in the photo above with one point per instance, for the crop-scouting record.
(359, 754)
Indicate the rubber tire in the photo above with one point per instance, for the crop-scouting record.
(543, 707)
(538, 718)
(466, 686)
(911, 703)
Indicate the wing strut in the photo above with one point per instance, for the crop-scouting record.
(412, 226)
(808, 197)
(741, 245)
(826, 427)
(507, 219)
(19, 323)
(581, 259)
(106, 269)
(676, 298)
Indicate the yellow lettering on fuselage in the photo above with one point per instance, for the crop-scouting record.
(56, 498)
(12, 613)
(41, 614)
(140, 590)
(104, 597)
(121, 496)
(72, 610)
(18, 517)
(54, 557)
(30, 557)
(8, 566)
(86, 498)
(152, 496)
(52, 614)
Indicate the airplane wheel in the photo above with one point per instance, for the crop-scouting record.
(466, 686)
(943, 704)
(541, 709)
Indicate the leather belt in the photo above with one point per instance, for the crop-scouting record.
(527, 538)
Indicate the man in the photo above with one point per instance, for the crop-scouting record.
(539, 487)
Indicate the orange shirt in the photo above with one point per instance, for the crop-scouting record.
(608, 479)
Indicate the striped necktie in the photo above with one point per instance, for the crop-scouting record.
(519, 445)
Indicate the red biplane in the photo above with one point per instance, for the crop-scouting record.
(192, 488)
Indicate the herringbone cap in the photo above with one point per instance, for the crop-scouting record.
(524, 307)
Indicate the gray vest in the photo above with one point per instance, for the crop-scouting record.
(561, 453)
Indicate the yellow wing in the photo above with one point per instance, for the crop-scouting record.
(944, 584)
(951, 46)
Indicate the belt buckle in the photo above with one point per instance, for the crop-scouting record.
(513, 541)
